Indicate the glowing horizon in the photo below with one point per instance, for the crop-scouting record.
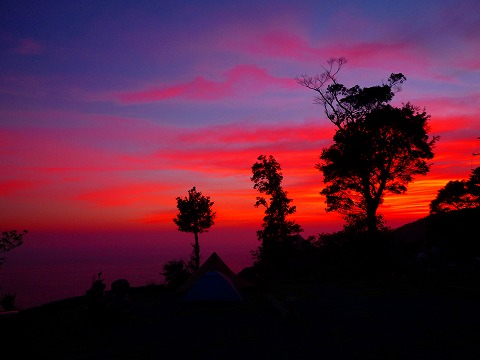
(110, 112)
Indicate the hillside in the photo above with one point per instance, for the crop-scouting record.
(455, 227)
(446, 243)
(332, 320)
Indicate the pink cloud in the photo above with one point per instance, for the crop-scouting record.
(382, 50)
(249, 133)
(28, 47)
(12, 187)
(231, 149)
(235, 81)
(283, 45)
(276, 44)
(290, 46)
(455, 107)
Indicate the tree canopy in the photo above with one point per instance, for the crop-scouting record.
(10, 240)
(458, 194)
(195, 215)
(378, 148)
(343, 105)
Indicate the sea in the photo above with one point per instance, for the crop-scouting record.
(51, 266)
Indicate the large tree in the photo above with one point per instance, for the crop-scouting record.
(195, 215)
(458, 194)
(277, 231)
(378, 148)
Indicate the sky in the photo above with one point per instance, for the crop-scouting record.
(109, 110)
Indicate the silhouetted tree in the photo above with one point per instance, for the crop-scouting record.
(458, 194)
(277, 231)
(378, 148)
(95, 299)
(176, 272)
(194, 215)
(10, 240)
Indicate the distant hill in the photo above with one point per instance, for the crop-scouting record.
(453, 236)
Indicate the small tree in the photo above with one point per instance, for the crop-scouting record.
(458, 194)
(10, 240)
(195, 216)
(277, 230)
(176, 272)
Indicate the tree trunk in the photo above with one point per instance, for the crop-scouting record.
(371, 220)
(196, 251)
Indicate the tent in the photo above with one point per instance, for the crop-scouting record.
(212, 286)
(214, 281)
(215, 263)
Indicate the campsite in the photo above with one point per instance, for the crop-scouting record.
(427, 309)
(336, 319)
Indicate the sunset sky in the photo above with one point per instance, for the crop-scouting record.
(109, 110)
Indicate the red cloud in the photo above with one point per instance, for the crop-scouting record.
(90, 168)
(136, 193)
(14, 186)
(233, 148)
(299, 133)
(450, 124)
(236, 81)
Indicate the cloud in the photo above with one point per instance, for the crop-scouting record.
(240, 80)
(455, 106)
(289, 45)
(270, 133)
(157, 217)
(229, 150)
(451, 124)
(28, 47)
(282, 44)
(126, 195)
(12, 187)
(123, 169)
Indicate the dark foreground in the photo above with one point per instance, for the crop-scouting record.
(337, 320)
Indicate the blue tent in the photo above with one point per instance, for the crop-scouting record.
(213, 286)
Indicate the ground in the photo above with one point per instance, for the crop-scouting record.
(325, 320)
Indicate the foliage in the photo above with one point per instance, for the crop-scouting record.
(195, 215)
(276, 235)
(344, 105)
(176, 272)
(10, 240)
(354, 252)
(95, 299)
(114, 307)
(378, 148)
(458, 194)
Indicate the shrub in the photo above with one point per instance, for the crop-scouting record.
(176, 272)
